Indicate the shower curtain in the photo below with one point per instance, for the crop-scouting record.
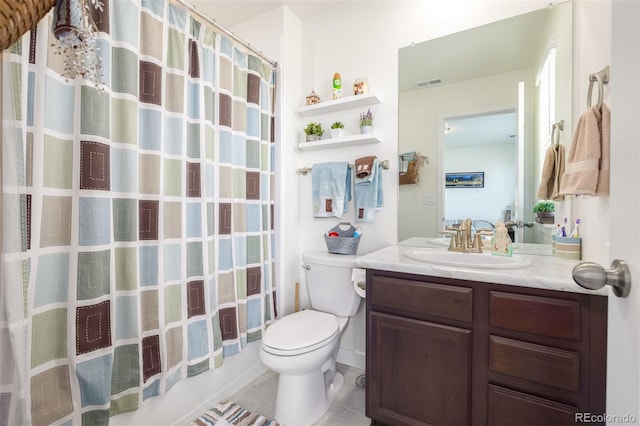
(137, 222)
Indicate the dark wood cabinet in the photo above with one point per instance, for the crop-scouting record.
(442, 351)
(408, 354)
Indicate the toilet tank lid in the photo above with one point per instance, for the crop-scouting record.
(329, 259)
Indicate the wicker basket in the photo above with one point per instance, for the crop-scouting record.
(411, 176)
(344, 243)
(19, 16)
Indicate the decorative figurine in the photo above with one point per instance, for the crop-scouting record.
(361, 86)
(313, 98)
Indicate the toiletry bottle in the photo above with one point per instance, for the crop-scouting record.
(337, 86)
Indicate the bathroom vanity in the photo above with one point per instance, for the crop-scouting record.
(465, 346)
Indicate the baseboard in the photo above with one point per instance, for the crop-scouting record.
(351, 358)
(224, 392)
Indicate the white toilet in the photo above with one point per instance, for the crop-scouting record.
(302, 347)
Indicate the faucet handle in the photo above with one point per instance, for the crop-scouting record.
(477, 240)
(477, 243)
(483, 233)
(452, 233)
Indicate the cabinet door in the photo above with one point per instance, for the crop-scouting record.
(418, 372)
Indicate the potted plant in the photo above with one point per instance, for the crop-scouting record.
(337, 130)
(366, 122)
(313, 131)
(544, 211)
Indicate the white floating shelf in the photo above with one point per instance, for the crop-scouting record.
(349, 140)
(341, 104)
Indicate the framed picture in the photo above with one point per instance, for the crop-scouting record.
(464, 180)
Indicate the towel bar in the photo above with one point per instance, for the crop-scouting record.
(305, 170)
(602, 78)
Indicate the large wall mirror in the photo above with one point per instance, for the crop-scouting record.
(480, 104)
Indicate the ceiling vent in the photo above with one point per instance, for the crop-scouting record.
(428, 83)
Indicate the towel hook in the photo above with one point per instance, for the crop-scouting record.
(556, 128)
(601, 78)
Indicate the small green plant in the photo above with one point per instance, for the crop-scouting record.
(366, 119)
(314, 129)
(544, 207)
(337, 125)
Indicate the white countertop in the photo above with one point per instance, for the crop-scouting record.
(545, 272)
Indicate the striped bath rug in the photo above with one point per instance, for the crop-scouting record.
(230, 413)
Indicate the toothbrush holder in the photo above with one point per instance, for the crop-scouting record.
(566, 247)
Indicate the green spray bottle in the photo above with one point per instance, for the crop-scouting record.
(337, 86)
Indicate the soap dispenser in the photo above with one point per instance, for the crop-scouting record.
(501, 243)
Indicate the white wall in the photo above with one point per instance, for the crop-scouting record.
(591, 53)
(499, 167)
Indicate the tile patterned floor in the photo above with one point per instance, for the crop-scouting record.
(259, 397)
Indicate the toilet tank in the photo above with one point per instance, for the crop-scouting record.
(329, 283)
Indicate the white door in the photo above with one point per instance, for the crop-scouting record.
(623, 355)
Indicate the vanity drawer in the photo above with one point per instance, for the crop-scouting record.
(546, 365)
(437, 300)
(507, 407)
(544, 316)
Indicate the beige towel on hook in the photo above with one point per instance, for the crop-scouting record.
(587, 170)
(552, 172)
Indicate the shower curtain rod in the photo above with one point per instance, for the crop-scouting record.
(212, 22)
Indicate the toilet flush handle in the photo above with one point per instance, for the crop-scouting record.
(307, 267)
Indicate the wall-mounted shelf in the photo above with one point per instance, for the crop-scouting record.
(347, 102)
(349, 140)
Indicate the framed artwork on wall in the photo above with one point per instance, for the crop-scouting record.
(464, 180)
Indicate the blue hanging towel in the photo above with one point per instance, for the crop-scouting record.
(369, 196)
(331, 188)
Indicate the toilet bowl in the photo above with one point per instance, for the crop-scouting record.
(302, 347)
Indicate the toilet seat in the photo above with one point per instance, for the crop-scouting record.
(301, 332)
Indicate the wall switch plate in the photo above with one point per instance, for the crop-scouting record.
(428, 199)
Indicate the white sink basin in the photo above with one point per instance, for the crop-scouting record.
(467, 260)
(444, 242)
(441, 241)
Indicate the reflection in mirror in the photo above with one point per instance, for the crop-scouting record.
(483, 143)
(483, 100)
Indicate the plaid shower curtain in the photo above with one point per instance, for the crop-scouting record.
(137, 222)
